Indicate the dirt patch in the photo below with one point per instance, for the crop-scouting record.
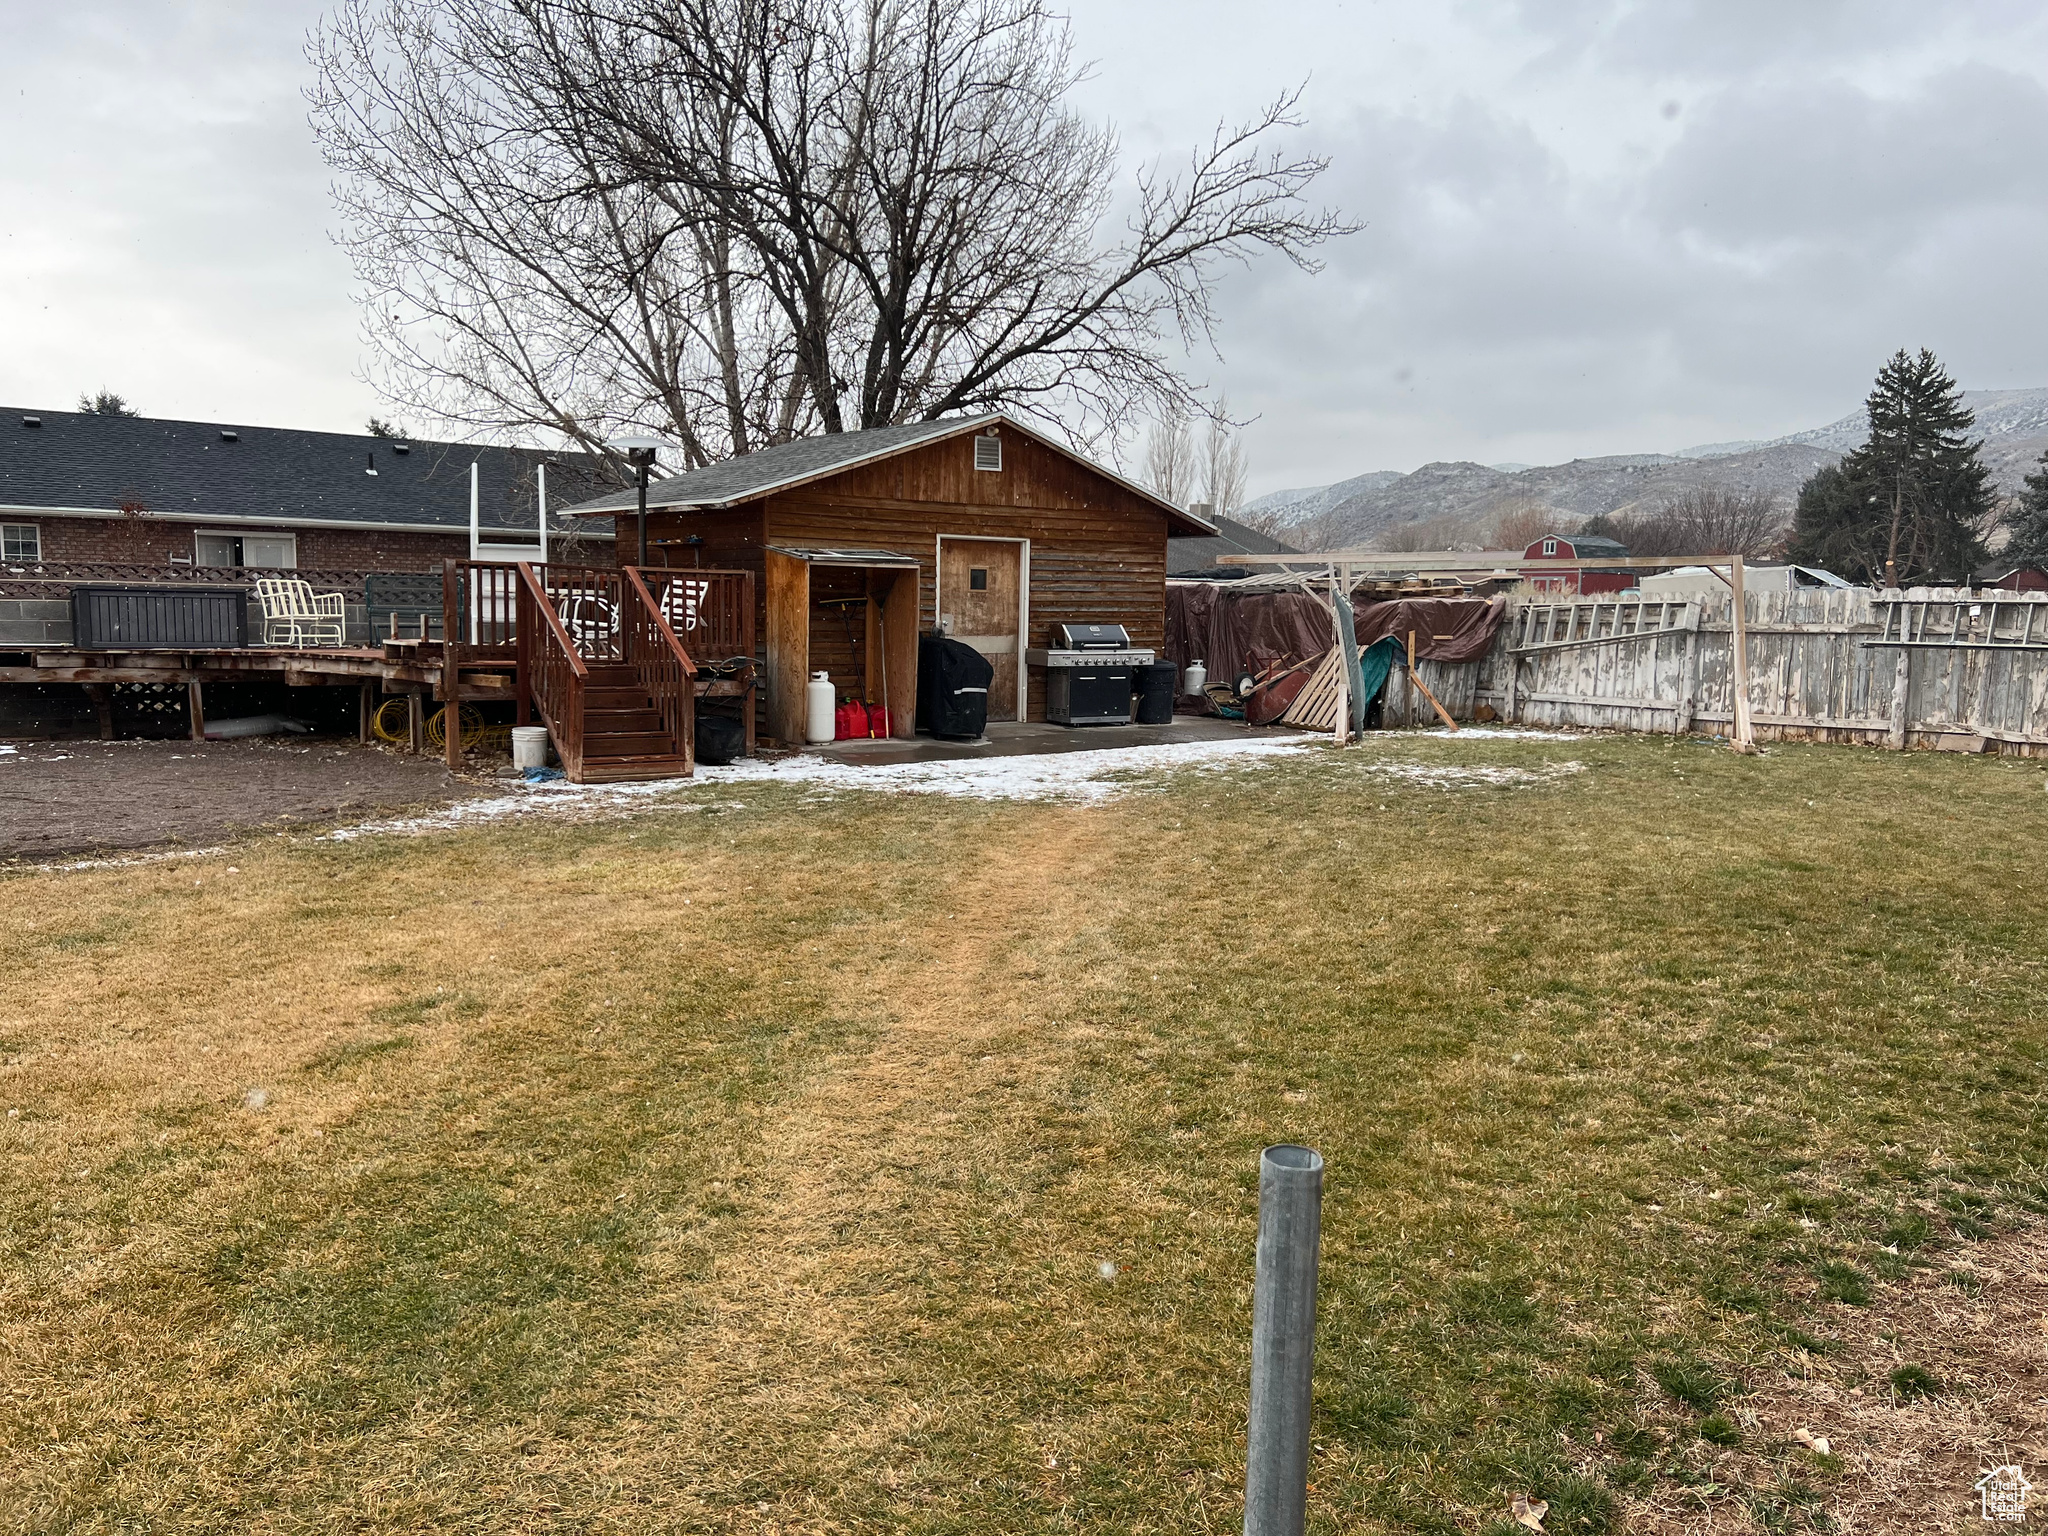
(60, 798)
(1943, 1378)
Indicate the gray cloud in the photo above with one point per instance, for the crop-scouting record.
(1738, 272)
(1552, 265)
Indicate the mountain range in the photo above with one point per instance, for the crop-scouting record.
(1464, 501)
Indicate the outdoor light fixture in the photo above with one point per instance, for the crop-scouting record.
(640, 452)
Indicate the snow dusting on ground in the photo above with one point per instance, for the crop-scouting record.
(1085, 777)
(1080, 777)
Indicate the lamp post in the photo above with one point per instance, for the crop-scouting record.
(640, 452)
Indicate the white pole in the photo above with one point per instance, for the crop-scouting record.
(543, 513)
(474, 530)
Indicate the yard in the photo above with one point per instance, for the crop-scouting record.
(782, 1159)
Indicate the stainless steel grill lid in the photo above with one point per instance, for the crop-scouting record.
(1092, 637)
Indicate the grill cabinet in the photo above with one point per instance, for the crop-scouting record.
(1088, 674)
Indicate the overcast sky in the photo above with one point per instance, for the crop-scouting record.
(1591, 227)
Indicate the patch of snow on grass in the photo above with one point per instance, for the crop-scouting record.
(1086, 777)
(1452, 776)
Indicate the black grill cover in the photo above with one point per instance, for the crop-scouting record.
(952, 687)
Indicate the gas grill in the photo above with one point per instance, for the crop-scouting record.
(1088, 674)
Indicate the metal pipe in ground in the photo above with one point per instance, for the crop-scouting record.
(1283, 1341)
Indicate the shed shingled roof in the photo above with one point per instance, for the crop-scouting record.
(787, 465)
(82, 462)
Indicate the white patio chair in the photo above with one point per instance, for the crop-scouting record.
(295, 615)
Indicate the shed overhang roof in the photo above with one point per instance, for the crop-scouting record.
(865, 559)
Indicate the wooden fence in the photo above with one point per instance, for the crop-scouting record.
(1931, 667)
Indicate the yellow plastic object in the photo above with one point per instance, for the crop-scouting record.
(389, 722)
(472, 726)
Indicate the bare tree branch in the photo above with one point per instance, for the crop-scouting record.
(738, 220)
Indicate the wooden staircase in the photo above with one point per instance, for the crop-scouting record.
(602, 665)
(623, 733)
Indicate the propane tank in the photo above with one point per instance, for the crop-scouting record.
(818, 711)
(1195, 679)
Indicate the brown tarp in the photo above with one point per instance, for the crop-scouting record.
(1446, 628)
(1243, 632)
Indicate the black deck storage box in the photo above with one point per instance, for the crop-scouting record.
(952, 688)
(159, 618)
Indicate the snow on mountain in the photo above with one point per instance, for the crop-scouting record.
(2011, 423)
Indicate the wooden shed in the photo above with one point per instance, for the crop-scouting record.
(978, 526)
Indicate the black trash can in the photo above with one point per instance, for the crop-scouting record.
(1156, 685)
(952, 688)
(720, 739)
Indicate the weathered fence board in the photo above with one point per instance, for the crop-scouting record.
(1929, 667)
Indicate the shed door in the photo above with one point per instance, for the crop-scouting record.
(981, 604)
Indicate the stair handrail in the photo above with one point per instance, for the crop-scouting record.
(553, 620)
(664, 667)
(665, 629)
(551, 671)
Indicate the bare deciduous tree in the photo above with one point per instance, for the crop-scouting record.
(1708, 520)
(1170, 459)
(1523, 522)
(739, 220)
(1224, 470)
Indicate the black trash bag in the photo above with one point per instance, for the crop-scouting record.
(952, 688)
(720, 740)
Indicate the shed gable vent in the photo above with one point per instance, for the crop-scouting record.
(988, 452)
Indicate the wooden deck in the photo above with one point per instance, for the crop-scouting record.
(597, 654)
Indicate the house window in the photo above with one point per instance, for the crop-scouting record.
(261, 551)
(1550, 546)
(977, 579)
(988, 452)
(21, 541)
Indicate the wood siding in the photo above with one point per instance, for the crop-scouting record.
(1097, 550)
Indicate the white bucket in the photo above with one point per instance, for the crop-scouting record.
(529, 746)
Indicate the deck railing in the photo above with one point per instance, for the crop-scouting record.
(53, 578)
(555, 675)
(712, 612)
(660, 662)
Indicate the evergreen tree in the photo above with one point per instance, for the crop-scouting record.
(106, 403)
(2028, 523)
(1910, 505)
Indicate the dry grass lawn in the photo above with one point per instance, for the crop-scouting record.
(752, 1167)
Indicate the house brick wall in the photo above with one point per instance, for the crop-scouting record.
(147, 540)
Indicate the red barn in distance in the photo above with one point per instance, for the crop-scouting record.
(1579, 583)
(2006, 576)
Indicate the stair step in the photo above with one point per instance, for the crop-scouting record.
(641, 718)
(633, 697)
(611, 674)
(626, 744)
(627, 769)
